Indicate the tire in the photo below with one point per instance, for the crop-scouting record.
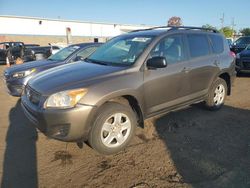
(238, 73)
(113, 128)
(217, 95)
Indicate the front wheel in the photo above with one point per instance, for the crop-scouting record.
(217, 95)
(113, 128)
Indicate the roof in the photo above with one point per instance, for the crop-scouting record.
(10, 42)
(149, 32)
(82, 45)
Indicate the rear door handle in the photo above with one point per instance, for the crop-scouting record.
(185, 70)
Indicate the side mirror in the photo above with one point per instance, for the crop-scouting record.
(157, 62)
(79, 58)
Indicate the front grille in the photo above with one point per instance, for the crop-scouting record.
(29, 113)
(238, 63)
(246, 65)
(247, 59)
(33, 96)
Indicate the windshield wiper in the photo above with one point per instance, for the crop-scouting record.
(55, 59)
(96, 61)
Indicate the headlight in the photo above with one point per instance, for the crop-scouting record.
(23, 73)
(65, 99)
(238, 56)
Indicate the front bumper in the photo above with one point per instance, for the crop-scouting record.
(62, 124)
(237, 49)
(15, 90)
(242, 64)
(15, 86)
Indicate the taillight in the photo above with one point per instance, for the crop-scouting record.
(232, 54)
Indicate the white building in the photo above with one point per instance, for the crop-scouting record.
(20, 25)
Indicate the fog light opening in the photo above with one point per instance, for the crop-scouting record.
(60, 131)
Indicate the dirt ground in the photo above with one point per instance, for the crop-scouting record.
(189, 148)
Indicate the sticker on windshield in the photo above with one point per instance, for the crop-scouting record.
(141, 39)
(76, 47)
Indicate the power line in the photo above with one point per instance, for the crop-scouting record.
(233, 23)
(222, 20)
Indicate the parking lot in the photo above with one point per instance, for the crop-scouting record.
(193, 147)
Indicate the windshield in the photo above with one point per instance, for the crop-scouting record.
(64, 53)
(248, 47)
(230, 41)
(121, 51)
(243, 40)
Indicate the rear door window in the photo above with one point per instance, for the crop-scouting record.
(198, 45)
(217, 43)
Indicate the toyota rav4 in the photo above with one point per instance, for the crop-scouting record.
(132, 77)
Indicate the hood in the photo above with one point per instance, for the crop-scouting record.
(29, 65)
(71, 76)
(239, 45)
(245, 53)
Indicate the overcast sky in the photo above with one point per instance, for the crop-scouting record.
(149, 12)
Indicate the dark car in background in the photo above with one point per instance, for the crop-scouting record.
(240, 44)
(16, 77)
(243, 60)
(130, 78)
(42, 52)
(16, 51)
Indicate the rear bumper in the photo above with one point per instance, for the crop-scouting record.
(62, 124)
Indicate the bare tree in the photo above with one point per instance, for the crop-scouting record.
(175, 21)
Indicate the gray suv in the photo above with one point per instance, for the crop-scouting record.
(128, 79)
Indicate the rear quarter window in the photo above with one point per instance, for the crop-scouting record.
(217, 43)
(198, 45)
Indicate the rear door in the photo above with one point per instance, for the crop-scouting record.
(203, 64)
(166, 87)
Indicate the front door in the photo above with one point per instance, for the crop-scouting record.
(166, 87)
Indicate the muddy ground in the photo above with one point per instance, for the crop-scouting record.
(189, 148)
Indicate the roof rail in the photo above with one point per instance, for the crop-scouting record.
(177, 28)
(195, 28)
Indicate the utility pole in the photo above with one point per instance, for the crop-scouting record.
(222, 20)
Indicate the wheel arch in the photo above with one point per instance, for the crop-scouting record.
(132, 102)
(225, 76)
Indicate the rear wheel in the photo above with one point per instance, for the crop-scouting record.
(217, 95)
(113, 128)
